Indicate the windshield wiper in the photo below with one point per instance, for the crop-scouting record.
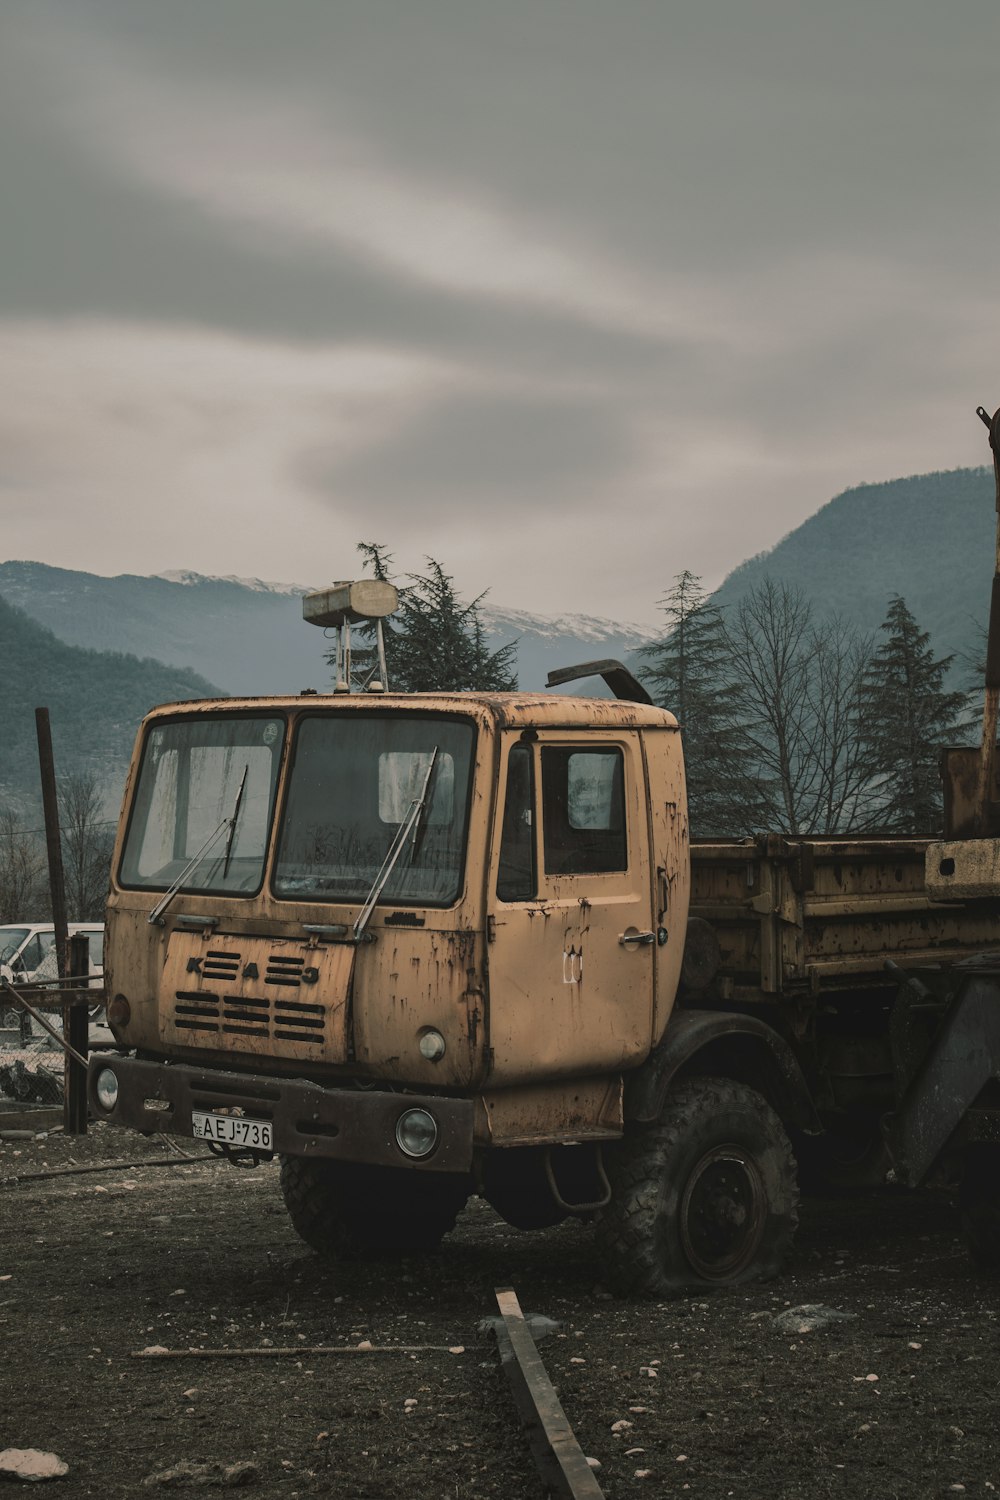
(156, 915)
(232, 824)
(410, 824)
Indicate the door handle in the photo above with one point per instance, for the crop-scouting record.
(636, 939)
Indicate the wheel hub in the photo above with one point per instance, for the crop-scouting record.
(722, 1213)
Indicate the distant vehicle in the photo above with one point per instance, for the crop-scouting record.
(28, 956)
(28, 950)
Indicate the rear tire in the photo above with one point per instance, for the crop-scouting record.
(979, 1206)
(349, 1212)
(704, 1198)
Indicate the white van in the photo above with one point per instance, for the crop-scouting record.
(28, 950)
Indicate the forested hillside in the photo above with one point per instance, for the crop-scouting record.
(95, 698)
(929, 539)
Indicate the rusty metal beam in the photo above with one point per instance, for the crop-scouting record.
(559, 1457)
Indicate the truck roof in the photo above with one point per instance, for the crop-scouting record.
(504, 710)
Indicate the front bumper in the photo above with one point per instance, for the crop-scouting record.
(350, 1125)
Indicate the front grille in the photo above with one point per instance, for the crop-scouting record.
(223, 966)
(285, 971)
(241, 1015)
(251, 1014)
(196, 1010)
(265, 996)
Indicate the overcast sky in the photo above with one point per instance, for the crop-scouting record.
(568, 295)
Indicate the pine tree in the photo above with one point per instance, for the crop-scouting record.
(689, 672)
(908, 719)
(435, 642)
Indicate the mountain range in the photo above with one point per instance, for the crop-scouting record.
(929, 538)
(248, 636)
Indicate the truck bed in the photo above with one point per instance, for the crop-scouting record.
(800, 916)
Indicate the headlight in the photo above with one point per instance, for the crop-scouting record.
(416, 1132)
(432, 1045)
(107, 1089)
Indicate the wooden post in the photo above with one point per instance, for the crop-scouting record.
(53, 847)
(76, 1029)
(991, 704)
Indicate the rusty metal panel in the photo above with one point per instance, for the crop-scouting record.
(412, 979)
(670, 867)
(351, 603)
(279, 997)
(307, 1119)
(501, 710)
(551, 1112)
(793, 913)
(570, 972)
(962, 870)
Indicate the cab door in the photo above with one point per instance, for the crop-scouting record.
(571, 951)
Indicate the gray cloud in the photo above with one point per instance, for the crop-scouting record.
(682, 271)
(485, 458)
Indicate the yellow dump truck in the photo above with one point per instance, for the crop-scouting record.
(424, 946)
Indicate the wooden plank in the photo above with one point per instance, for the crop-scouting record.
(559, 1457)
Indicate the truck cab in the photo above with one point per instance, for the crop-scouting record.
(461, 1005)
(421, 946)
(531, 929)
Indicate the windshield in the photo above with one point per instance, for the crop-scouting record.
(11, 939)
(354, 781)
(189, 785)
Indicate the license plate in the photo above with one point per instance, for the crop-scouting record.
(233, 1130)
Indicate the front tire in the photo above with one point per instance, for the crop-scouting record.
(349, 1212)
(704, 1198)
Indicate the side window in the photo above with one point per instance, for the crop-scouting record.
(30, 956)
(583, 810)
(516, 872)
(48, 966)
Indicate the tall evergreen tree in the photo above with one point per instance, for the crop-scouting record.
(435, 642)
(689, 672)
(908, 719)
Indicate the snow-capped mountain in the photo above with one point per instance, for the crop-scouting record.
(247, 634)
(257, 585)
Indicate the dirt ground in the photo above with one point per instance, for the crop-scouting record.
(899, 1400)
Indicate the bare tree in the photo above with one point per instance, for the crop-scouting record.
(22, 870)
(803, 690)
(87, 840)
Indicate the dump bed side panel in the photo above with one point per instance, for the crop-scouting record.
(799, 916)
